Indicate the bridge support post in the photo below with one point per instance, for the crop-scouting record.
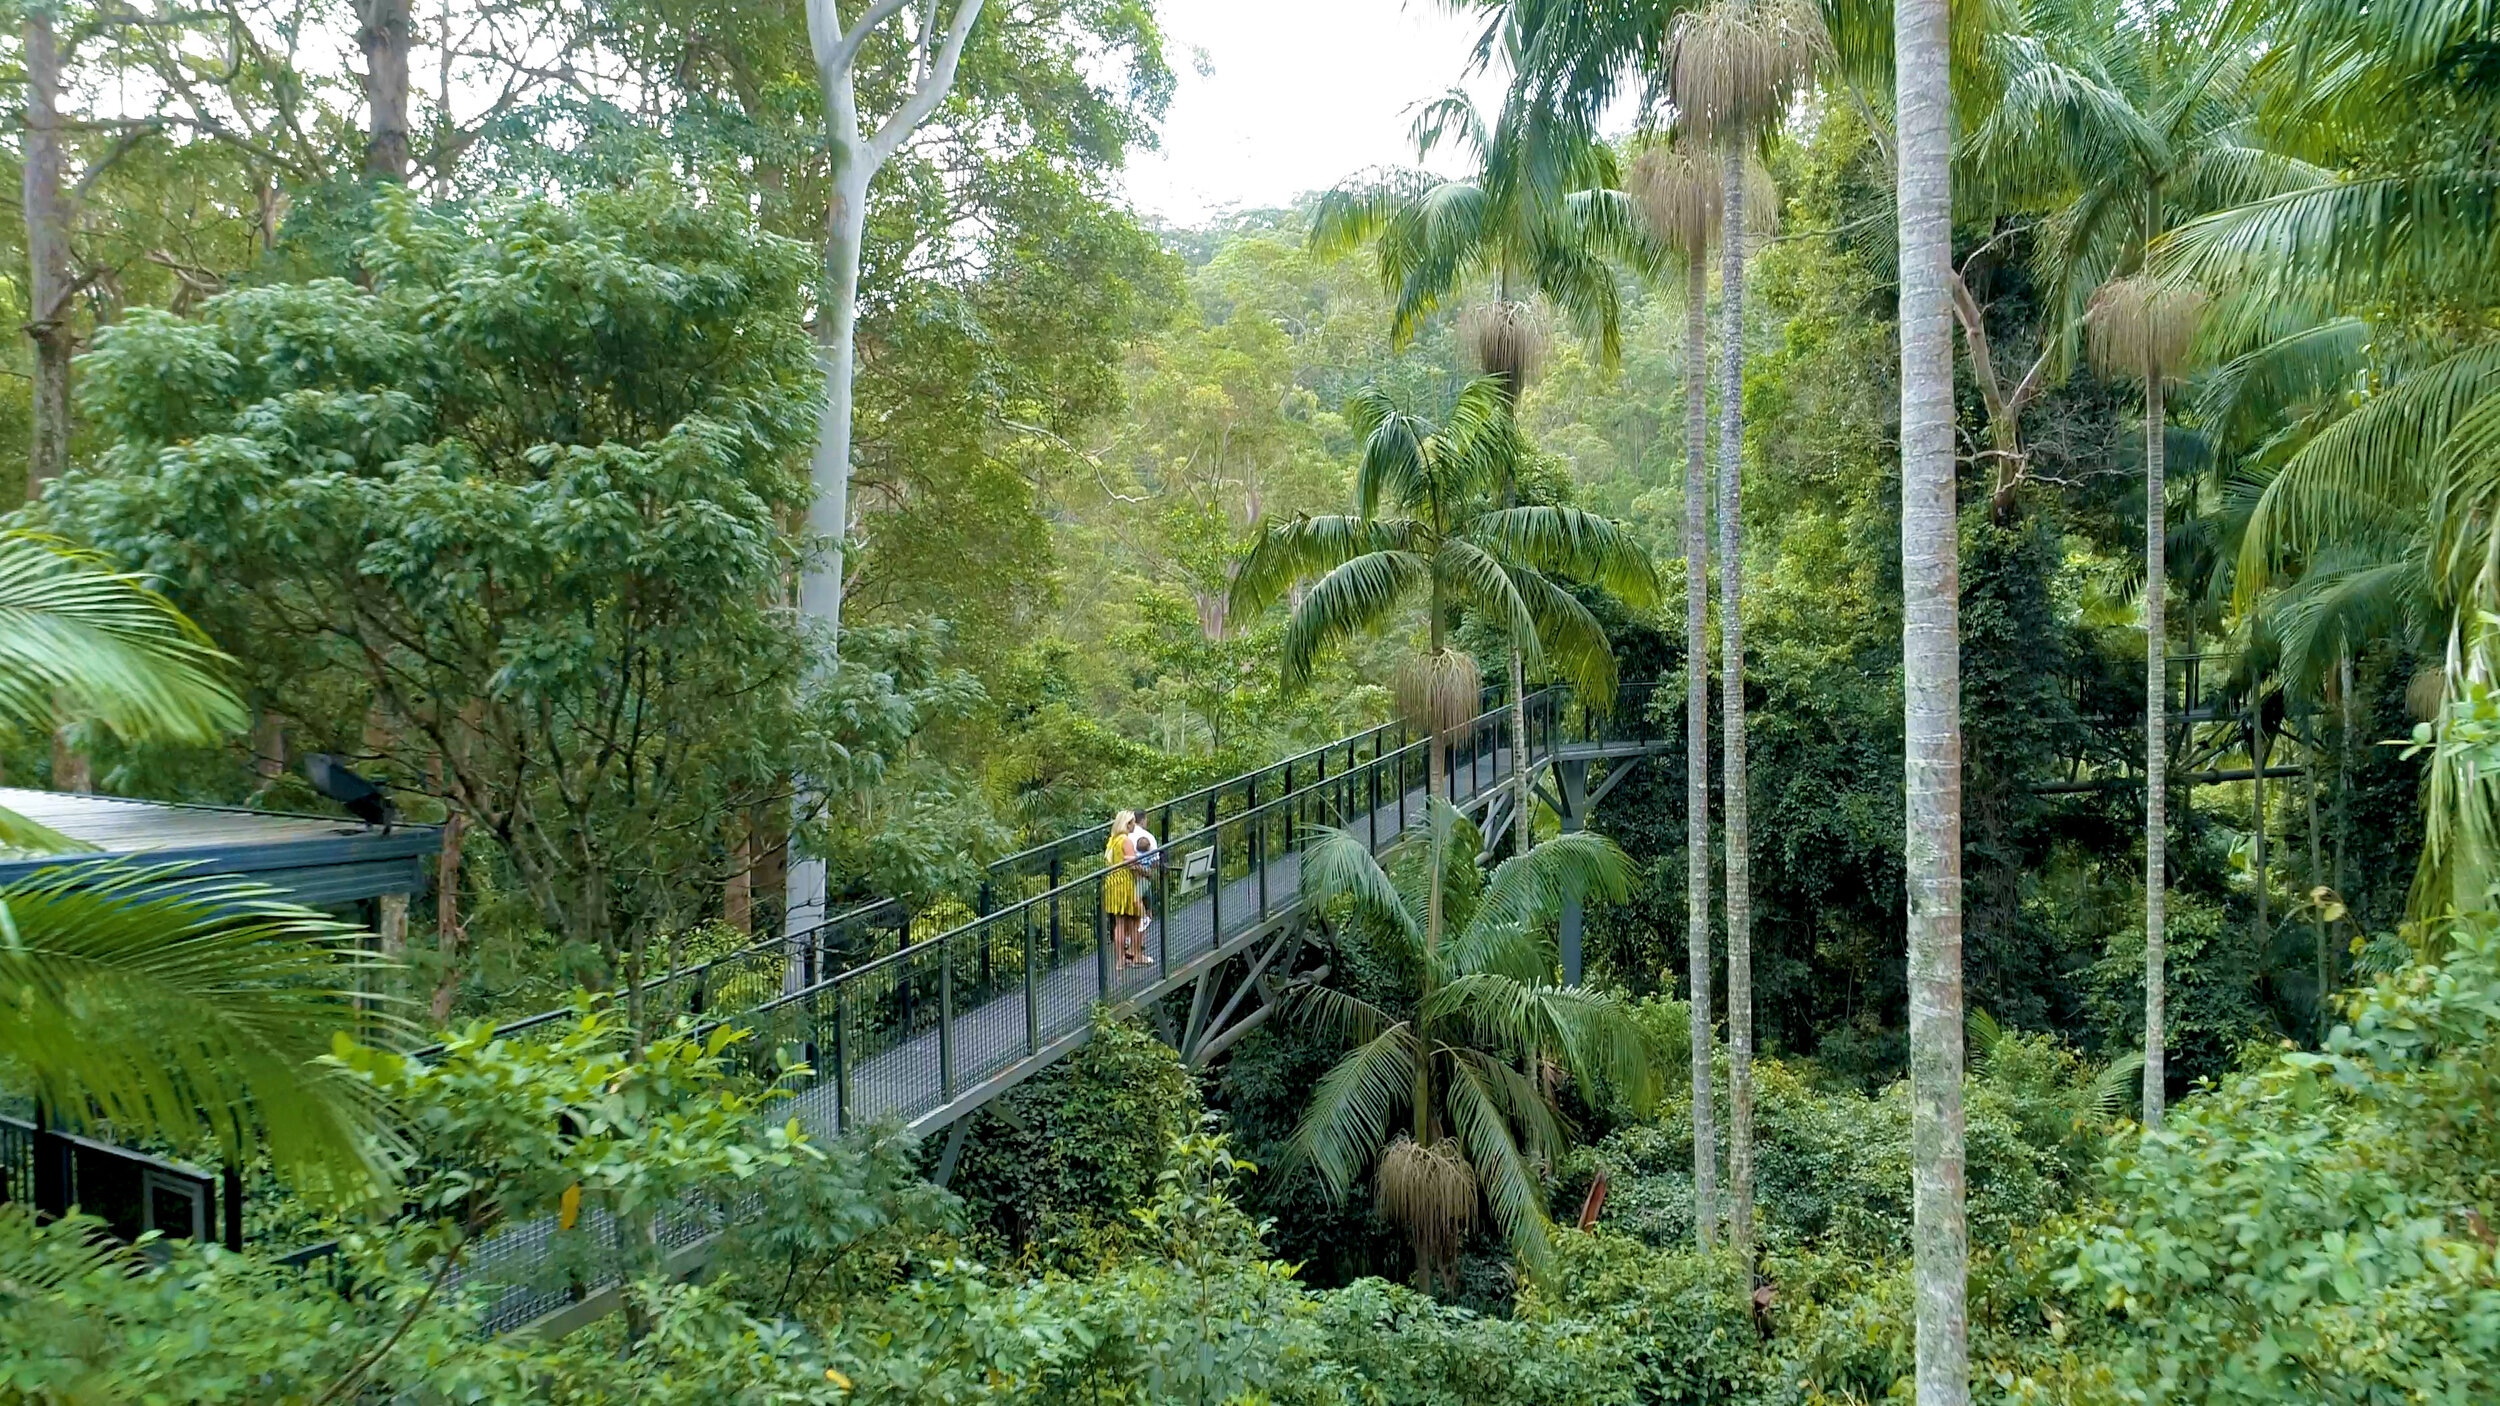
(953, 1152)
(1571, 784)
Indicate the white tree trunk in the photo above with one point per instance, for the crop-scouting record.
(1932, 704)
(47, 254)
(1738, 839)
(857, 156)
(2156, 753)
(1697, 738)
(828, 514)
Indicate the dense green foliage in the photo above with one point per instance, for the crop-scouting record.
(484, 461)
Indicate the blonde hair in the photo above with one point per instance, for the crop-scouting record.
(1123, 820)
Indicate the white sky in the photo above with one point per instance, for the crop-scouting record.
(1303, 93)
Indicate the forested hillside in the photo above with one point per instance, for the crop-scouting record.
(2000, 497)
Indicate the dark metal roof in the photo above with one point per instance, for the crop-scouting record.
(325, 861)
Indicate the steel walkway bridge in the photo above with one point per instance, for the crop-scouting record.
(931, 1031)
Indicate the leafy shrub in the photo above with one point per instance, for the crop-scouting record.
(1062, 1161)
(1684, 1320)
(2316, 1230)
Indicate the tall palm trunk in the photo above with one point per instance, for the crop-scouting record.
(1522, 832)
(2343, 802)
(2260, 748)
(1739, 829)
(1697, 738)
(1932, 702)
(2317, 880)
(2156, 749)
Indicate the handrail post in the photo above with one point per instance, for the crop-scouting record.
(1054, 909)
(1401, 756)
(1371, 812)
(1258, 856)
(842, 1057)
(1102, 946)
(1032, 1007)
(1215, 889)
(946, 1019)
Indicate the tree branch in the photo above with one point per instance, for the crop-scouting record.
(844, 47)
(932, 91)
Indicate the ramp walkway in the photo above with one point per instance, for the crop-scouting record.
(929, 1032)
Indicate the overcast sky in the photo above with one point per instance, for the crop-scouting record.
(1300, 94)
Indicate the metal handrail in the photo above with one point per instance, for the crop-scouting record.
(1023, 864)
(940, 943)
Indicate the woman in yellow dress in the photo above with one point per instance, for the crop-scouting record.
(1120, 899)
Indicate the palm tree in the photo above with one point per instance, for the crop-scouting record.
(1541, 217)
(189, 1009)
(2142, 328)
(1428, 529)
(2121, 125)
(2393, 261)
(169, 1007)
(81, 640)
(1735, 65)
(1931, 697)
(1446, 1101)
(1680, 196)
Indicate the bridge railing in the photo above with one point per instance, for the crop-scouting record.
(1042, 882)
(890, 1037)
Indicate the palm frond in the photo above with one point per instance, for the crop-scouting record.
(1338, 865)
(1569, 542)
(189, 1009)
(1590, 1033)
(2384, 453)
(2343, 599)
(74, 632)
(1347, 601)
(1351, 216)
(1477, 1101)
(2353, 240)
(1359, 1103)
(1530, 889)
(1290, 552)
(1573, 640)
(1340, 1015)
(1477, 579)
(2115, 1086)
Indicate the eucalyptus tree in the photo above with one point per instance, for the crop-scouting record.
(1446, 1100)
(1432, 527)
(1680, 196)
(913, 51)
(1931, 698)
(1540, 217)
(1734, 66)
